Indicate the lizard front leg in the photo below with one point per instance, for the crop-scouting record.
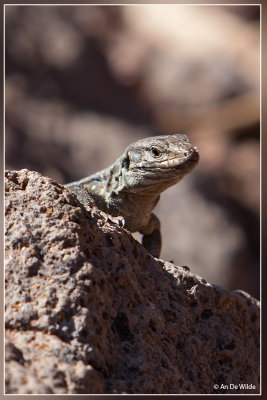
(151, 236)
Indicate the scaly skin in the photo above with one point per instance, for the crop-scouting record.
(131, 187)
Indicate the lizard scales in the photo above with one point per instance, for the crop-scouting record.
(131, 187)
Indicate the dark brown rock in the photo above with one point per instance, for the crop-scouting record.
(88, 310)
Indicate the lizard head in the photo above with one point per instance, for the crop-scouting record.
(163, 154)
(162, 160)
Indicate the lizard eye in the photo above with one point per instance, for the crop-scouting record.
(155, 152)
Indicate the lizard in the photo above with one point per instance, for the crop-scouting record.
(130, 188)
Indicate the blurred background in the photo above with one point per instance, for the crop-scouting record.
(83, 82)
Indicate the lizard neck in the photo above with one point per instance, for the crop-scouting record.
(123, 192)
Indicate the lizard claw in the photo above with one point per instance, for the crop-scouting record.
(119, 221)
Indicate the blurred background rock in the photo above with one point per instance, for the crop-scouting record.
(83, 82)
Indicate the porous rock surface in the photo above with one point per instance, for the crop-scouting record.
(88, 310)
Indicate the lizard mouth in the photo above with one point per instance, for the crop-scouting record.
(188, 156)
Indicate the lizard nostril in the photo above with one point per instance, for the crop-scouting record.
(185, 154)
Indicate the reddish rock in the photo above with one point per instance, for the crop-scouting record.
(88, 310)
